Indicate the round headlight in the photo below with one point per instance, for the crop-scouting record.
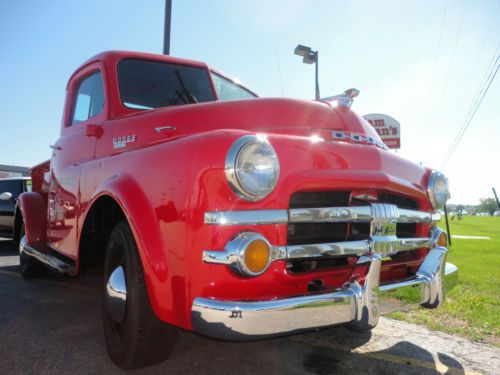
(438, 190)
(252, 167)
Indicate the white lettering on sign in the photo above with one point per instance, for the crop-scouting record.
(387, 128)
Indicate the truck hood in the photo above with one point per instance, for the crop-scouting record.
(260, 115)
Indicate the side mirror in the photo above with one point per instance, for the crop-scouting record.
(5, 196)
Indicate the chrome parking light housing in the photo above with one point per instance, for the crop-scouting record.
(235, 253)
(252, 167)
(438, 190)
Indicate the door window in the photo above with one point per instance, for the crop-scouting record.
(11, 186)
(89, 98)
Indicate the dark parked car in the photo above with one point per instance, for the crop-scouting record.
(10, 189)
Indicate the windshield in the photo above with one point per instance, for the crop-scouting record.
(229, 90)
(148, 84)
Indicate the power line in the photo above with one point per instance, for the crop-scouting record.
(473, 111)
(426, 122)
(450, 67)
(490, 75)
(473, 70)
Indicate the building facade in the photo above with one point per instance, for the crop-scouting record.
(13, 171)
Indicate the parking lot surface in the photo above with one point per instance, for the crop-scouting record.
(53, 326)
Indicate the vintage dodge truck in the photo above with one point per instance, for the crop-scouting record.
(210, 209)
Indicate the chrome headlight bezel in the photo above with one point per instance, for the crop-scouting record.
(233, 174)
(439, 198)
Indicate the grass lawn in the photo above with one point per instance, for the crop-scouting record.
(472, 309)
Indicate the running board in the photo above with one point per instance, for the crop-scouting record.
(49, 257)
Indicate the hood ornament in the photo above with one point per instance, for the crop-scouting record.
(345, 99)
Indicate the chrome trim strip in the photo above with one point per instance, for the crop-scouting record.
(319, 215)
(407, 244)
(413, 216)
(436, 216)
(229, 255)
(328, 249)
(330, 214)
(250, 217)
(360, 305)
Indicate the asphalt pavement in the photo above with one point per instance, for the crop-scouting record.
(53, 326)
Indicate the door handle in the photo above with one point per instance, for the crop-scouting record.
(55, 147)
(165, 129)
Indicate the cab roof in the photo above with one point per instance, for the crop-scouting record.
(112, 57)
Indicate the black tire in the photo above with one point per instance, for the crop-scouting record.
(140, 339)
(29, 267)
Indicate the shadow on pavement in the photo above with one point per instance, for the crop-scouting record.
(53, 325)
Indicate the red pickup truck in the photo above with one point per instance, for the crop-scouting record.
(211, 209)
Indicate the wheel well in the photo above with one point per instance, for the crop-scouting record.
(104, 214)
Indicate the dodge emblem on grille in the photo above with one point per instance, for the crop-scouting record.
(383, 228)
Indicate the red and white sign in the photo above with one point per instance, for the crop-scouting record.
(387, 128)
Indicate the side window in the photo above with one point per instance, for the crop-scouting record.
(88, 100)
(11, 186)
(227, 90)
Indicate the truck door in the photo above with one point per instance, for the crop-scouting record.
(75, 148)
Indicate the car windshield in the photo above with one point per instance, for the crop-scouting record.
(148, 84)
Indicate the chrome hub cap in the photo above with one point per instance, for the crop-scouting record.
(116, 294)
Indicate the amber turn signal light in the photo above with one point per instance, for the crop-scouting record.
(257, 255)
(442, 240)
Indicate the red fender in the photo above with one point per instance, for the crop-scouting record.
(34, 210)
(142, 219)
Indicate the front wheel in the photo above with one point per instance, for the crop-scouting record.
(135, 337)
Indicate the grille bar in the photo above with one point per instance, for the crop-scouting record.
(323, 214)
(326, 250)
(391, 246)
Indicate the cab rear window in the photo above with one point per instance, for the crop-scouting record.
(148, 84)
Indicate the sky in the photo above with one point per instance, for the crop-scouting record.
(422, 62)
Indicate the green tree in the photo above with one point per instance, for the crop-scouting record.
(488, 205)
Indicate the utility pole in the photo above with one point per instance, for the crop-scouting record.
(496, 197)
(168, 24)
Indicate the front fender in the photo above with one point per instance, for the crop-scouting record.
(34, 211)
(139, 212)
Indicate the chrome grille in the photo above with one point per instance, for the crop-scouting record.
(342, 216)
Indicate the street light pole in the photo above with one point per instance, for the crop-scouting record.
(317, 78)
(310, 57)
(168, 23)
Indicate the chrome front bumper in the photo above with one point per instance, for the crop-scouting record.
(359, 303)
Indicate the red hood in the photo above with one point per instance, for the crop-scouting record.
(265, 115)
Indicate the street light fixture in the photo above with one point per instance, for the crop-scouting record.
(309, 57)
